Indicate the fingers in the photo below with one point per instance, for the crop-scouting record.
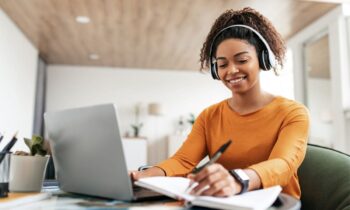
(210, 180)
(221, 188)
(214, 180)
(227, 191)
(206, 172)
(134, 175)
(130, 172)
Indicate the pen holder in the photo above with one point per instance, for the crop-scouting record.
(4, 173)
(27, 173)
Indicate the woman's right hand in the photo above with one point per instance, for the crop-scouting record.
(154, 171)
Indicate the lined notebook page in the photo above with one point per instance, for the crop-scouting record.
(257, 200)
(174, 187)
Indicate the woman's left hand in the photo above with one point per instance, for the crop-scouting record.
(219, 181)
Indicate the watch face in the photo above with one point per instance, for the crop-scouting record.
(242, 174)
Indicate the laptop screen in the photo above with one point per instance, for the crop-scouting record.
(87, 152)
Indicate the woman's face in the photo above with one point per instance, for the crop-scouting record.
(238, 65)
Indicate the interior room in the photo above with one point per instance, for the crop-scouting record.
(143, 57)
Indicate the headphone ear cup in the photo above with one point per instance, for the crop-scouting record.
(261, 62)
(213, 70)
(264, 61)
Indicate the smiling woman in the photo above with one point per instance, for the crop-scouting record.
(269, 132)
(238, 65)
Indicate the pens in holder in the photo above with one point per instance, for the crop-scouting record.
(215, 157)
(12, 142)
(8, 146)
(1, 137)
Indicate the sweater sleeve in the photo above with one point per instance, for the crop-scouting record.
(192, 151)
(288, 152)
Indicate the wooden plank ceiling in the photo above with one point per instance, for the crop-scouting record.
(151, 34)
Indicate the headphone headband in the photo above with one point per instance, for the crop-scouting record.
(271, 60)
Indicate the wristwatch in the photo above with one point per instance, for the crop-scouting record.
(242, 178)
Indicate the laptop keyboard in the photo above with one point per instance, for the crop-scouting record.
(50, 183)
(146, 194)
(139, 192)
(136, 188)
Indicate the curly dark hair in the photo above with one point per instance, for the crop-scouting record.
(249, 17)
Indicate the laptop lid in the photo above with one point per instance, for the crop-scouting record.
(87, 152)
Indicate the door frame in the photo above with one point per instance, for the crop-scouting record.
(334, 23)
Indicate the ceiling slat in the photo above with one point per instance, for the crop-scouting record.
(152, 34)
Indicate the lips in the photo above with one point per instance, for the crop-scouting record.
(236, 80)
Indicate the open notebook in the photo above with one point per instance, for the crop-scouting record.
(175, 187)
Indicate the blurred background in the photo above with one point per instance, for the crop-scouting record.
(143, 56)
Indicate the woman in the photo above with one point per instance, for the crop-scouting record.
(269, 133)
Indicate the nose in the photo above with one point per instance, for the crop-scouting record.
(233, 69)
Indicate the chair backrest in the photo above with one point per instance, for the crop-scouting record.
(324, 178)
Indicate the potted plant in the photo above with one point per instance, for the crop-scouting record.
(136, 127)
(27, 170)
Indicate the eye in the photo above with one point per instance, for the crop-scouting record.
(242, 61)
(221, 66)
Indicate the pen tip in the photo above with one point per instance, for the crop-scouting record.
(15, 136)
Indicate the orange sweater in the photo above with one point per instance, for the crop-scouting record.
(271, 141)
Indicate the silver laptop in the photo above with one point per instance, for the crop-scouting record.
(88, 154)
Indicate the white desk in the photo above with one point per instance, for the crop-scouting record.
(61, 200)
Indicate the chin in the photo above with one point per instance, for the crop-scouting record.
(236, 90)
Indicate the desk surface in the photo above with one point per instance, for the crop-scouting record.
(61, 200)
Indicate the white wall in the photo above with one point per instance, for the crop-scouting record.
(321, 122)
(283, 84)
(18, 64)
(179, 92)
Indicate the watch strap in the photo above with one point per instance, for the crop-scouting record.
(244, 182)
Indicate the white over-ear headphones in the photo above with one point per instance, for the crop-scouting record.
(267, 59)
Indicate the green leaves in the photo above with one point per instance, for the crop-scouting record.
(36, 145)
(137, 126)
(191, 118)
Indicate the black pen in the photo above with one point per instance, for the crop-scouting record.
(1, 137)
(8, 146)
(215, 157)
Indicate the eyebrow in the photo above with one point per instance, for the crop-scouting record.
(236, 55)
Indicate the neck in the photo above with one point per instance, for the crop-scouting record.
(250, 101)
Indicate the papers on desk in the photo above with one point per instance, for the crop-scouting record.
(175, 187)
(17, 199)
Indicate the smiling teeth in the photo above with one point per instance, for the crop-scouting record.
(236, 80)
